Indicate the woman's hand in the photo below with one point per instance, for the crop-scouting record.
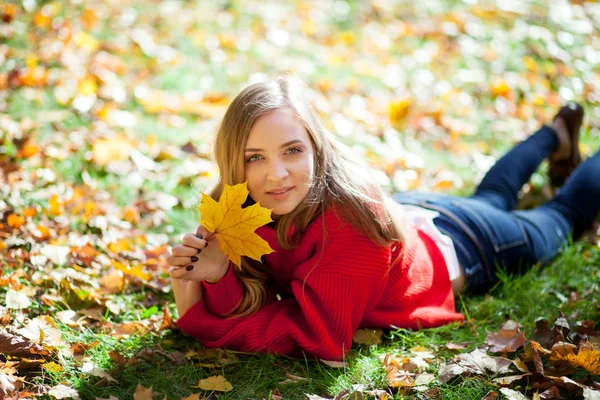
(197, 259)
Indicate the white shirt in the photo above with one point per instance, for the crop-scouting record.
(422, 219)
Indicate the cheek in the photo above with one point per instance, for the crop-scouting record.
(251, 175)
(309, 170)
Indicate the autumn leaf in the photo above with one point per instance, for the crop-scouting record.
(587, 356)
(216, 383)
(233, 225)
(508, 339)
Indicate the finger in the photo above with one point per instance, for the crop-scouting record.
(192, 241)
(181, 261)
(203, 233)
(184, 251)
(181, 273)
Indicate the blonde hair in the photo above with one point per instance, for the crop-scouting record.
(337, 179)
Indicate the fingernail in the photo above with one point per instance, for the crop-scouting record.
(199, 236)
(194, 259)
(189, 267)
(199, 250)
(206, 244)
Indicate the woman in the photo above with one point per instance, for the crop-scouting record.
(345, 255)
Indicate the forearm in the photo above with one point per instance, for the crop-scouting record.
(186, 293)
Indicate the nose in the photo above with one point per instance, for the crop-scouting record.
(277, 171)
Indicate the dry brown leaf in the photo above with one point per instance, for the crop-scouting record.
(17, 346)
(491, 395)
(367, 336)
(63, 392)
(117, 358)
(455, 346)
(142, 393)
(167, 322)
(7, 381)
(334, 364)
(508, 339)
(512, 394)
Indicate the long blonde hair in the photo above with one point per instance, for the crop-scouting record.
(337, 179)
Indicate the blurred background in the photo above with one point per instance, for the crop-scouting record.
(118, 101)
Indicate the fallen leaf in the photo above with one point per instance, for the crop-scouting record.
(90, 368)
(167, 322)
(585, 357)
(195, 396)
(16, 300)
(142, 393)
(491, 395)
(508, 380)
(214, 383)
(454, 346)
(63, 392)
(334, 364)
(43, 330)
(233, 225)
(17, 346)
(512, 394)
(367, 336)
(508, 339)
(7, 383)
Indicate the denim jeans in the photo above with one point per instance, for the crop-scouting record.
(486, 230)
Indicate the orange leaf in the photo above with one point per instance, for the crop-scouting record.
(233, 226)
(587, 357)
(28, 150)
(30, 212)
(41, 232)
(89, 17)
(15, 221)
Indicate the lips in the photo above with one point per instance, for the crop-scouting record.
(280, 190)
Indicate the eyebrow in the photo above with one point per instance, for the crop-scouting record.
(283, 145)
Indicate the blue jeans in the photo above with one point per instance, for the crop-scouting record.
(488, 233)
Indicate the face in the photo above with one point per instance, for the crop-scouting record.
(279, 161)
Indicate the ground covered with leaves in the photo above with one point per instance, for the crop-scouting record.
(107, 115)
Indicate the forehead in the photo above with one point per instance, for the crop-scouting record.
(278, 126)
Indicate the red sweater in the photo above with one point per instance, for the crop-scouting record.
(353, 285)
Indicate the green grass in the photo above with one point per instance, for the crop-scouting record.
(254, 376)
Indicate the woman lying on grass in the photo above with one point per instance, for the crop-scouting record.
(345, 255)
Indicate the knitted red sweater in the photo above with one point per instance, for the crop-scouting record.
(353, 285)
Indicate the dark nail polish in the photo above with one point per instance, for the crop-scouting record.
(199, 236)
(206, 244)
(194, 259)
(199, 250)
(189, 267)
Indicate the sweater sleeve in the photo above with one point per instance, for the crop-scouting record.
(331, 292)
(222, 296)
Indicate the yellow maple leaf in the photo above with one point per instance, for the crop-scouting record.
(233, 225)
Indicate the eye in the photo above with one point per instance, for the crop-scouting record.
(294, 150)
(253, 158)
